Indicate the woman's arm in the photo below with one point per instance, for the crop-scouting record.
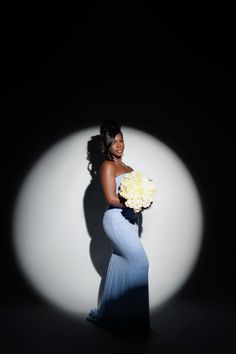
(108, 181)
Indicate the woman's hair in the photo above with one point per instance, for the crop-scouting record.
(108, 130)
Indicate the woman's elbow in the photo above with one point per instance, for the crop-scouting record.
(113, 200)
(110, 200)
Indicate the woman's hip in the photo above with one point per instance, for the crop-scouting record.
(124, 236)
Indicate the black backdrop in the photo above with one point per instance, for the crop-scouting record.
(167, 71)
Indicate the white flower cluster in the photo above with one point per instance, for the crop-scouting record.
(137, 190)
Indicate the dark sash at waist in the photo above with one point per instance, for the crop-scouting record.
(114, 207)
(127, 212)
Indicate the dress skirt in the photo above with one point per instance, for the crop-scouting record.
(125, 298)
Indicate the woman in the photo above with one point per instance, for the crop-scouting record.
(125, 299)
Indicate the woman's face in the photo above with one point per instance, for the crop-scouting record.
(118, 146)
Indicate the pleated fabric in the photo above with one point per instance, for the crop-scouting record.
(125, 298)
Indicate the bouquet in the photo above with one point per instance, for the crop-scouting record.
(137, 191)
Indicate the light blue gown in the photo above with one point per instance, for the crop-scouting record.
(125, 298)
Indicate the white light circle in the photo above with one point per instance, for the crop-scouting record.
(51, 238)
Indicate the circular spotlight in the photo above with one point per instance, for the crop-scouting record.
(58, 214)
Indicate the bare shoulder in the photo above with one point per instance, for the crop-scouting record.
(107, 166)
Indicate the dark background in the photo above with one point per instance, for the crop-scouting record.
(165, 70)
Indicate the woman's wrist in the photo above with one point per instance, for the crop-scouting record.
(121, 204)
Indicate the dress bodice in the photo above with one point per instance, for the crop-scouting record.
(119, 179)
(120, 212)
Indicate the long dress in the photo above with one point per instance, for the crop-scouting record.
(125, 298)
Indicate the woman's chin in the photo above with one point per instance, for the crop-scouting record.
(118, 155)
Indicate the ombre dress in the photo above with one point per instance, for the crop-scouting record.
(125, 298)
